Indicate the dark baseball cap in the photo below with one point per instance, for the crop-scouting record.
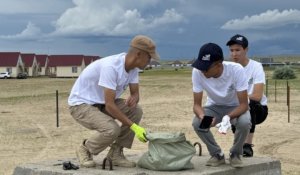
(238, 39)
(208, 54)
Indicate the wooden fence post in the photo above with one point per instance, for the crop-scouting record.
(57, 116)
(288, 102)
(275, 91)
(267, 87)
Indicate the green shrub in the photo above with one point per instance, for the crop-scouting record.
(284, 72)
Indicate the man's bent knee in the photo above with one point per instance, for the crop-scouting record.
(196, 123)
(112, 130)
(243, 125)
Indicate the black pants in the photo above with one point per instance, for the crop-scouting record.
(258, 114)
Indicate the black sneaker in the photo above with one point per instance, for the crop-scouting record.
(247, 150)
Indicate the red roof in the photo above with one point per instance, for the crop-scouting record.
(27, 59)
(41, 60)
(89, 59)
(9, 59)
(65, 60)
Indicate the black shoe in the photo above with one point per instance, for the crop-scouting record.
(69, 166)
(247, 150)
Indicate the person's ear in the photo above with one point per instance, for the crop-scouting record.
(139, 53)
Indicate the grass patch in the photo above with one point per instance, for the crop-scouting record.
(167, 72)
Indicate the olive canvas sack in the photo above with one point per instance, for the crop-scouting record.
(167, 152)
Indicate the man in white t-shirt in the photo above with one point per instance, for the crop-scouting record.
(227, 102)
(238, 47)
(95, 102)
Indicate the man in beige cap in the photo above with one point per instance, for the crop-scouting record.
(95, 102)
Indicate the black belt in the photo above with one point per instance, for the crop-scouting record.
(101, 107)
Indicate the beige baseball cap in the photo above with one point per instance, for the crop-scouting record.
(146, 44)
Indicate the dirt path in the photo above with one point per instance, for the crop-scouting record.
(28, 131)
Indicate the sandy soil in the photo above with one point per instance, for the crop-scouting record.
(28, 131)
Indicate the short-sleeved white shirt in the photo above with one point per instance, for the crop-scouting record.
(108, 72)
(222, 90)
(255, 74)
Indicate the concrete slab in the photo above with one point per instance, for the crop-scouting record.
(253, 166)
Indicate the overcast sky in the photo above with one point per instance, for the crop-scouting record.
(179, 27)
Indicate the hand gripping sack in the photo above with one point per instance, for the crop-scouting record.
(167, 152)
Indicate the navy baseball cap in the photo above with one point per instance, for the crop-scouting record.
(208, 54)
(238, 39)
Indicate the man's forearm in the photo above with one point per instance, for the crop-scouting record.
(238, 111)
(198, 110)
(116, 113)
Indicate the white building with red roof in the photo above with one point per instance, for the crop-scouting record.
(66, 65)
(30, 64)
(11, 62)
(44, 65)
(42, 62)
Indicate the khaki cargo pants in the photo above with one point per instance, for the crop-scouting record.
(108, 130)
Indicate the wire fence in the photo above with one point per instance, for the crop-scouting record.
(281, 91)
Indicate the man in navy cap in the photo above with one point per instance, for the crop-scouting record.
(238, 47)
(227, 102)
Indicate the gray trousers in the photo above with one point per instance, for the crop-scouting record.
(107, 129)
(242, 124)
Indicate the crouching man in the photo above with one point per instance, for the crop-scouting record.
(95, 103)
(226, 85)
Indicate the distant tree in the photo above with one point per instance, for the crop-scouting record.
(284, 72)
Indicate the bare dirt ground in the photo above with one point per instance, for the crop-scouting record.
(28, 131)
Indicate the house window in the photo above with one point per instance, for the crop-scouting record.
(40, 69)
(74, 69)
(9, 69)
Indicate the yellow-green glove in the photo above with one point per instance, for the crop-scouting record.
(139, 132)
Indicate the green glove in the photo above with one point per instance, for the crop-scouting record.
(139, 132)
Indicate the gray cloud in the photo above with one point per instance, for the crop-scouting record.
(111, 19)
(33, 6)
(266, 20)
(31, 32)
(179, 27)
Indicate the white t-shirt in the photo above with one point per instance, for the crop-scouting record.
(222, 90)
(108, 72)
(255, 74)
